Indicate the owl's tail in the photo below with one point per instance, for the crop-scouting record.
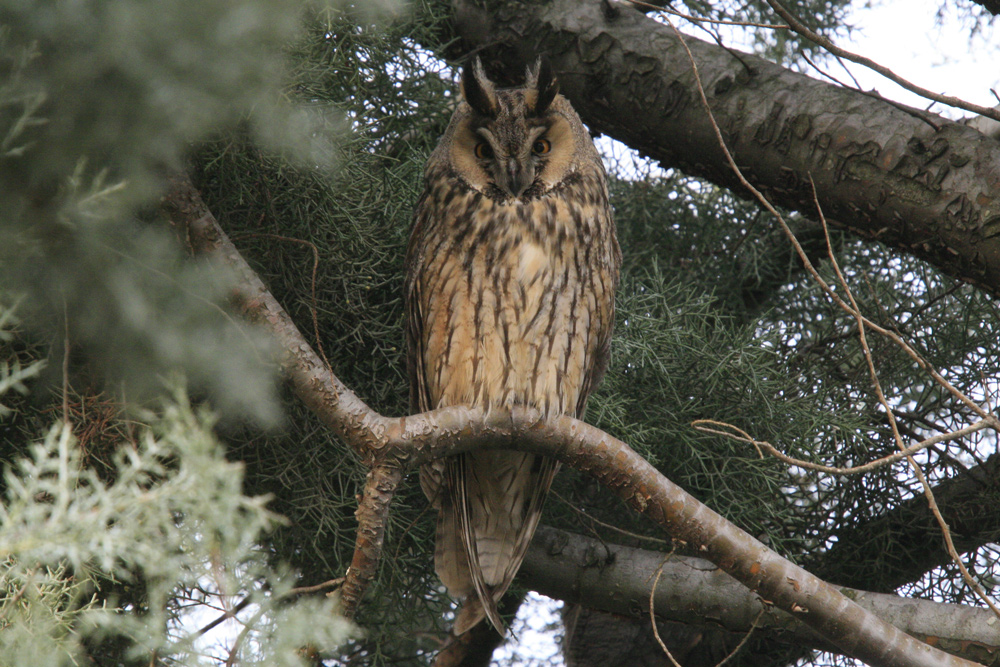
(485, 526)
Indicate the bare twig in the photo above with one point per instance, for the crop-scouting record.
(917, 471)
(602, 524)
(991, 419)
(852, 309)
(922, 117)
(652, 612)
(803, 30)
(245, 602)
(740, 435)
(65, 364)
(745, 639)
(702, 19)
(312, 285)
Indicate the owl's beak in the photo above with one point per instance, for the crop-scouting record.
(516, 178)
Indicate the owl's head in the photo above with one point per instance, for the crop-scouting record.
(516, 143)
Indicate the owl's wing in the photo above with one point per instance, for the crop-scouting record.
(431, 474)
(604, 321)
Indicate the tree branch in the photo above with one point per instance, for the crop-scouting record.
(819, 40)
(410, 441)
(906, 177)
(612, 577)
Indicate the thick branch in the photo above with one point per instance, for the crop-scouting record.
(409, 441)
(372, 515)
(329, 398)
(908, 178)
(692, 590)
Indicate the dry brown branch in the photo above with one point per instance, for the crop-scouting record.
(740, 435)
(312, 282)
(986, 416)
(862, 321)
(917, 471)
(652, 611)
(405, 442)
(701, 19)
(743, 641)
(607, 526)
(803, 30)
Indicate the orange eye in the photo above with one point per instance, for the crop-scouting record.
(541, 147)
(483, 151)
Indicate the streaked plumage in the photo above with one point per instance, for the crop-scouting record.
(511, 269)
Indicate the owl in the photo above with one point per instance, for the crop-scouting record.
(511, 272)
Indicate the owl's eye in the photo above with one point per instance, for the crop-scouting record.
(483, 150)
(541, 147)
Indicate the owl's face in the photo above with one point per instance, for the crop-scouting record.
(514, 144)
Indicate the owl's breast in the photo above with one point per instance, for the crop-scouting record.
(515, 302)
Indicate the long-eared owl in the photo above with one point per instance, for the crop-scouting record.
(511, 273)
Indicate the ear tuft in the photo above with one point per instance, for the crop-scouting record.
(478, 91)
(543, 84)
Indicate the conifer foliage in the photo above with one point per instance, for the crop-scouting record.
(132, 517)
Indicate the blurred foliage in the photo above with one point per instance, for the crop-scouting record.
(170, 519)
(306, 132)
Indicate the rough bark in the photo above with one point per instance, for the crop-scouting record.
(908, 178)
(411, 441)
(597, 638)
(694, 591)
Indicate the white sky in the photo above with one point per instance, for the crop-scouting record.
(901, 35)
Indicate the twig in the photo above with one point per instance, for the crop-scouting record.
(306, 590)
(225, 616)
(870, 93)
(803, 30)
(65, 364)
(245, 602)
(988, 418)
(852, 309)
(312, 287)
(652, 612)
(746, 638)
(616, 529)
(992, 420)
(241, 637)
(702, 19)
(743, 436)
(928, 491)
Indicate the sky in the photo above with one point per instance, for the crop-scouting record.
(902, 35)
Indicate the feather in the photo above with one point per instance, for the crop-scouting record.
(509, 301)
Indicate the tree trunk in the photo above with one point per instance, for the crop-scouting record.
(908, 178)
